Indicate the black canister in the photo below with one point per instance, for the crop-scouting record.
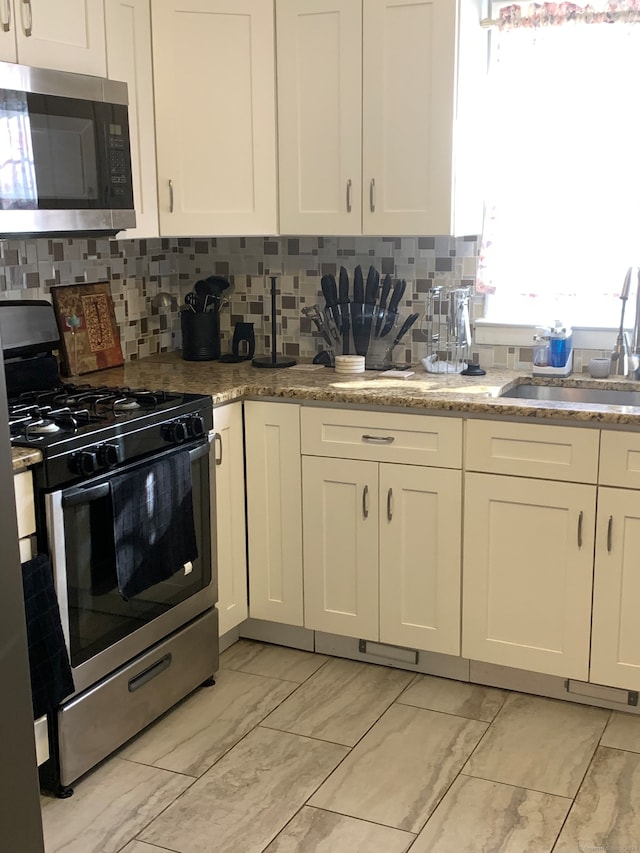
(200, 335)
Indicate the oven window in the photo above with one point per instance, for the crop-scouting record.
(98, 615)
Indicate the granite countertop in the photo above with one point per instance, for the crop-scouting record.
(423, 391)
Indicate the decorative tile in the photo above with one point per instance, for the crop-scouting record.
(242, 803)
(317, 831)
(622, 732)
(542, 744)
(340, 702)
(208, 723)
(272, 661)
(109, 807)
(454, 697)
(477, 816)
(606, 813)
(399, 771)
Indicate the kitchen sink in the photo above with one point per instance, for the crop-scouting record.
(575, 394)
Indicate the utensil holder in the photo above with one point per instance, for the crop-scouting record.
(200, 335)
(447, 330)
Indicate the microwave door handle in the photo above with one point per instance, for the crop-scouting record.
(28, 28)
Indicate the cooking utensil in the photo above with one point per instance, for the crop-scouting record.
(213, 285)
(193, 301)
(343, 301)
(384, 295)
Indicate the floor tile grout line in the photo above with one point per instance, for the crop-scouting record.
(519, 787)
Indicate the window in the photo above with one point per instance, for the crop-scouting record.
(562, 192)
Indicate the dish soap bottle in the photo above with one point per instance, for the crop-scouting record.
(541, 341)
(558, 346)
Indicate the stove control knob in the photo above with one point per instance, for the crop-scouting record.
(85, 462)
(195, 426)
(108, 455)
(175, 432)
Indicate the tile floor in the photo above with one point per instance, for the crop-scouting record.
(293, 752)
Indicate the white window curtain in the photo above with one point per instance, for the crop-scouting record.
(562, 134)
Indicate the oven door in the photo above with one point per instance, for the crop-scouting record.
(102, 630)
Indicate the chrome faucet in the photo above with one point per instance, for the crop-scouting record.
(621, 360)
(633, 371)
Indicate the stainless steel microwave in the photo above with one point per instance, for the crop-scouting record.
(65, 158)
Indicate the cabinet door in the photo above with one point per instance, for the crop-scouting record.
(319, 115)
(128, 28)
(68, 35)
(527, 573)
(340, 511)
(615, 641)
(420, 544)
(274, 514)
(214, 77)
(227, 466)
(409, 54)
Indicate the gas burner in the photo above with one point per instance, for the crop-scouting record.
(126, 404)
(41, 427)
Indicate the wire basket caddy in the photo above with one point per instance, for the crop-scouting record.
(447, 329)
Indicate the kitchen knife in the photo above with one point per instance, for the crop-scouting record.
(384, 295)
(398, 292)
(360, 338)
(404, 328)
(370, 297)
(329, 291)
(343, 301)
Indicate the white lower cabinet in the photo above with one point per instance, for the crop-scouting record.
(227, 466)
(528, 568)
(382, 552)
(274, 513)
(615, 640)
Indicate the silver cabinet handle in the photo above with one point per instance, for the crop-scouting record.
(383, 439)
(610, 534)
(170, 196)
(218, 440)
(390, 505)
(580, 516)
(372, 194)
(349, 196)
(26, 4)
(6, 24)
(365, 502)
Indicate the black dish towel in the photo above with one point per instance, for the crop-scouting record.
(154, 533)
(51, 678)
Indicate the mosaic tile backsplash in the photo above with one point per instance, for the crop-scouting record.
(140, 269)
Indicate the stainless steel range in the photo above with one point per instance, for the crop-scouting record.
(135, 647)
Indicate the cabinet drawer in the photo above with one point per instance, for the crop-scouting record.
(25, 510)
(382, 437)
(620, 459)
(533, 450)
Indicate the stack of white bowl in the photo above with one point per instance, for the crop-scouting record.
(349, 363)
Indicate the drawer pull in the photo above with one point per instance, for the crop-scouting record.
(365, 502)
(372, 195)
(349, 196)
(28, 28)
(610, 534)
(170, 196)
(580, 516)
(390, 505)
(6, 24)
(383, 439)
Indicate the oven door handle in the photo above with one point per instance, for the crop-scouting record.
(84, 496)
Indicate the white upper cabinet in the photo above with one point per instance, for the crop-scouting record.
(128, 30)
(214, 77)
(67, 35)
(378, 112)
(319, 115)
